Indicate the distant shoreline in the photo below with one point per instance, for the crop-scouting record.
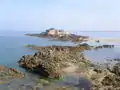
(107, 40)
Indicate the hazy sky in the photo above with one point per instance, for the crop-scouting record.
(65, 14)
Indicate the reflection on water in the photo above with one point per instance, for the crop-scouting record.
(76, 82)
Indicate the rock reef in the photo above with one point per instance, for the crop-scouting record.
(55, 61)
(104, 46)
(7, 74)
(52, 61)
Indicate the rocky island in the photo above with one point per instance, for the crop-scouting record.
(56, 34)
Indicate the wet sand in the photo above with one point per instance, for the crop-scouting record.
(107, 40)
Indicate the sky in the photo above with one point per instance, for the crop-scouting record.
(71, 15)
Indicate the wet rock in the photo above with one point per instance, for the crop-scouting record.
(108, 46)
(109, 67)
(111, 80)
(116, 69)
(7, 74)
(85, 45)
(98, 70)
(104, 46)
(50, 61)
(97, 41)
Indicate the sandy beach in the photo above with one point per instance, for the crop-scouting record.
(109, 40)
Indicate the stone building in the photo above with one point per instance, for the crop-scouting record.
(55, 32)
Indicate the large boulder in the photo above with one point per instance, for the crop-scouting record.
(51, 61)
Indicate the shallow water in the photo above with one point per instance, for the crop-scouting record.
(12, 48)
(21, 84)
(29, 83)
(103, 55)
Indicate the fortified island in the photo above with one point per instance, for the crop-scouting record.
(62, 35)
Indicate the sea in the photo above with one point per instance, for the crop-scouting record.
(12, 46)
(12, 49)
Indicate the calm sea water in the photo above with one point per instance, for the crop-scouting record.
(12, 46)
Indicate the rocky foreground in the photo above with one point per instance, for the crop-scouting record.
(57, 61)
(51, 61)
(8, 74)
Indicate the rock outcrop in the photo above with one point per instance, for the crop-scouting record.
(110, 80)
(104, 46)
(52, 61)
(7, 74)
(79, 47)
